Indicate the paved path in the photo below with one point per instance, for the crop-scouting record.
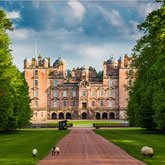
(82, 146)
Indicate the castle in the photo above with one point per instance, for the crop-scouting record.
(83, 96)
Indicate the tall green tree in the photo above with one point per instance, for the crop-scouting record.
(146, 107)
(14, 97)
(69, 73)
(99, 74)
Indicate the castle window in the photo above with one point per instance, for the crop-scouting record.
(130, 72)
(84, 93)
(101, 103)
(41, 114)
(36, 103)
(101, 93)
(110, 93)
(64, 103)
(35, 82)
(74, 93)
(55, 83)
(64, 93)
(55, 93)
(35, 114)
(130, 82)
(110, 83)
(35, 93)
(36, 72)
(93, 103)
(73, 103)
(93, 93)
(55, 104)
(110, 104)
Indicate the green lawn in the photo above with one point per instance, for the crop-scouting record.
(132, 140)
(83, 123)
(16, 147)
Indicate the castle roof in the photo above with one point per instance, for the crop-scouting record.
(58, 61)
(26, 60)
(111, 60)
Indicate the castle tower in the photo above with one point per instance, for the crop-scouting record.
(126, 60)
(120, 63)
(26, 63)
(84, 73)
(73, 72)
(105, 68)
(34, 63)
(39, 60)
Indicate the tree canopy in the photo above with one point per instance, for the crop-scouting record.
(15, 109)
(146, 106)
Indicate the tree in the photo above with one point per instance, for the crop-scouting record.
(69, 73)
(14, 98)
(99, 74)
(146, 107)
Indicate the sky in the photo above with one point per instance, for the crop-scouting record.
(81, 32)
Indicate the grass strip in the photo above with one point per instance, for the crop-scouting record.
(133, 139)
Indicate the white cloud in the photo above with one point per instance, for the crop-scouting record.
(77, 8)
(13, 15)
(143, 9)
(21, 34)
(112, 17)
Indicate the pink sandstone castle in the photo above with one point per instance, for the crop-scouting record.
(84, 96)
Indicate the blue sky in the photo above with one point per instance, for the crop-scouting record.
(82, 32)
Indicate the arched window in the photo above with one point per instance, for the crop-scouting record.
(61, 116)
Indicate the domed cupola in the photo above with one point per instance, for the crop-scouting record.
(26, 60)
(58, 61)
(111, 60)
(119, 60)
(45, 60)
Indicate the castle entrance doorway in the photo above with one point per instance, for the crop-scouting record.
(112, 115)
(97, 115)
(104, 116)
(68, 116)
(61, 116)
(54, 116)
(84, 115)
(84, 105)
